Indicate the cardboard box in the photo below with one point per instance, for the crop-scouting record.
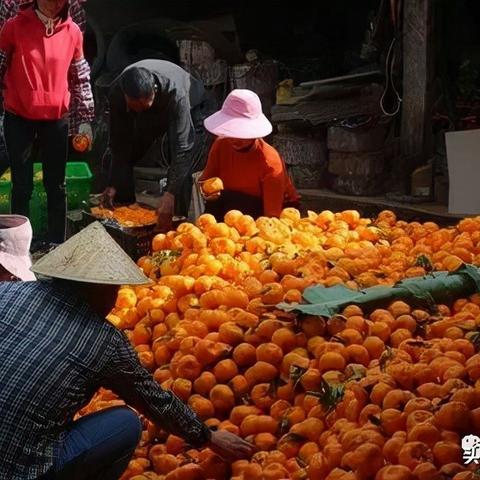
(463, 153)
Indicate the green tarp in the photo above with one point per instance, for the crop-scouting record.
(435, 288)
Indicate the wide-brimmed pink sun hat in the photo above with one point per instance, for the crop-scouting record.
(15, 240)
(240, 117)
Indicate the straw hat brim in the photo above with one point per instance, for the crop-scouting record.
(91, 256)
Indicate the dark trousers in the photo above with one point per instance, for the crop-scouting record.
(197, 158)
(230, 200)
(4, 163)
(52, 138)
(98, 446)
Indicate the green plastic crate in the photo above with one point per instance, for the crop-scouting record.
(5, 188)
(78, 180)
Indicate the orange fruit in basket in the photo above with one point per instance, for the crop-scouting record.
(212, 186)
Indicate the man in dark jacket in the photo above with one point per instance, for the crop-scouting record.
(149, 98)
(56, 350)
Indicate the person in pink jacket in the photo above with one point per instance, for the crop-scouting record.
(47, 96)
(8, 9)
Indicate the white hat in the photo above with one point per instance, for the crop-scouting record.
(15, 240)
(91, 256)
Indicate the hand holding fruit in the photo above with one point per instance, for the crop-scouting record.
(107, 198)
(82, 142)
(165, 212)
(230, 447)
(211, 188)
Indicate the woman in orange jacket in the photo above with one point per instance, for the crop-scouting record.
(254, 176)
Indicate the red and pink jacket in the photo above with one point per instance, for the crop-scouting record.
(45, 77)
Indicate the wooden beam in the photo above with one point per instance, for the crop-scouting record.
(345, 78)
(417, 80)
(328, 110)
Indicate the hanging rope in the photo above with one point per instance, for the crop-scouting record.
(390, 82)
(390, 62)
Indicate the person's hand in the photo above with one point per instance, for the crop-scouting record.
(165, 212)
(229, 446)
(212, 198)
(108, 195)
(208, 198)
(86, 130)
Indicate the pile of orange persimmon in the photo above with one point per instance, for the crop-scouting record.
(127, 216)
(384, 396)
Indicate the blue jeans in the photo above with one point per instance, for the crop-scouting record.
(98, 446)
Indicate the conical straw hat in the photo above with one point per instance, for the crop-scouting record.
(91, 256)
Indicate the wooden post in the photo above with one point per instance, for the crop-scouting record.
(417, 80)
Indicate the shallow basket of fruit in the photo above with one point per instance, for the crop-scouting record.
(131, 216)
(132, 226)
(388, 393)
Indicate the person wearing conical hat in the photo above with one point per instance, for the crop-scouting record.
(56, 350)
(254, 176)
(15, 241)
